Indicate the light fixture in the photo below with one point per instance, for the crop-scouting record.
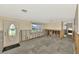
(23, 10)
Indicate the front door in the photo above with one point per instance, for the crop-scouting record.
(11, 33)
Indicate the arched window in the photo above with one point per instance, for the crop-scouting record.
(12, 30)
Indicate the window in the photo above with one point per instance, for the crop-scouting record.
(36, 27)
(12, 30)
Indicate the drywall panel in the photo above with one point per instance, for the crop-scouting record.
(25, 25)
(78, 18)
(22, 25)
(54, 25)
(1, 24)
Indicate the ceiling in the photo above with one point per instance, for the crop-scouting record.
(39, 12)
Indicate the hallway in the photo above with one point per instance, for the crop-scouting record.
(38, 29)
(44, 45)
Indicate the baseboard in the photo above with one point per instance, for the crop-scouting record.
(10, 47)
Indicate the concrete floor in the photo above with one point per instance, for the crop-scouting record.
(44, 45)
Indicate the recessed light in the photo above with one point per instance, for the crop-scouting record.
(23, 10)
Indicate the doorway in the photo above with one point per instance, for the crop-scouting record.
(11, 35)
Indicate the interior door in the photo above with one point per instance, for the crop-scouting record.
(11, 33)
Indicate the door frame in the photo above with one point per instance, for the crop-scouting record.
(5, 36)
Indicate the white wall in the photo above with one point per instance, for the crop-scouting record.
(25, 25)
(53, 25)
(1, 24)
(21, 25)
(78, 18)
(69, 21)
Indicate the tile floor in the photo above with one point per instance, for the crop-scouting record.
(44, 45)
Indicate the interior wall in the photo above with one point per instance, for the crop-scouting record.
(1, 34)
(9, 40)
(76, 28)
(76, 21)
(78, 18)
(53, 25)
(23, 25)
(1, 24)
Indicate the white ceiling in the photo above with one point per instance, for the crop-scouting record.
(39, 12)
